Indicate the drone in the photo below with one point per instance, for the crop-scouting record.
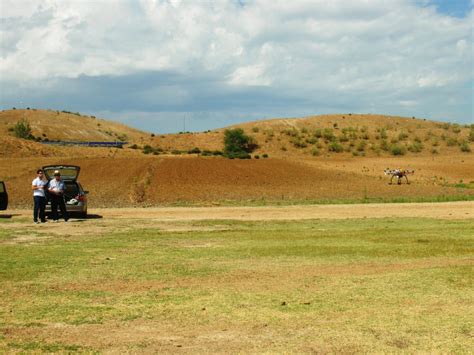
(399, 173)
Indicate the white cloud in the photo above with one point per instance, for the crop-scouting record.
(366, 47)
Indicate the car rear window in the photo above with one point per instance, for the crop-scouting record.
(2, 188)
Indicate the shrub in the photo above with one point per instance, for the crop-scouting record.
(383, 133)
(415, 147)
(451, 142)
(353, 135)
(397, 150)
(318, 133)
(176, 152)
(434, 151)
(384, 145)
(315, 152)
(22, 129)
(328, 134)
(195, 150)
(298, 142)
(402, 136)
(335, 147)
(455, 128)
(256, 157)
(312, 140)
(237, 144)
(265, 155)
(361, 146)
(343, 138)
(464, 147)
(147, 149)
(217, 152)
(239, 155)
(134, 146)
(255, 129)
(471, 135)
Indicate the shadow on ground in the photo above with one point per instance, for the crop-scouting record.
(8, 215)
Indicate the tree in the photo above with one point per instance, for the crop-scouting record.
(237, 144)
(22, 129)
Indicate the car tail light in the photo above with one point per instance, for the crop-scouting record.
(81, 198)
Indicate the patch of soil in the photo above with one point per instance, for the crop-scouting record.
(137, 180)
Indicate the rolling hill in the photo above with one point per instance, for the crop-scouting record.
(67, 126)
(329, 157)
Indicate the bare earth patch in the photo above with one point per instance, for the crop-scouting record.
(155, 216)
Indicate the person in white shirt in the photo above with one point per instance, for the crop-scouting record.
(56, 193)
(39, 197)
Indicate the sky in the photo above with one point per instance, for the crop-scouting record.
(166, 66)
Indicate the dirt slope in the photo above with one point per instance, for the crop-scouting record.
(300, 166)
(157, 180)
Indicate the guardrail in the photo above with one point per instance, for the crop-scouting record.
(88, 144)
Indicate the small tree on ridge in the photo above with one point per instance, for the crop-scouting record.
(22, 129)
(237, 144)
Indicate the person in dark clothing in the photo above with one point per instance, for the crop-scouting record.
(56, 193)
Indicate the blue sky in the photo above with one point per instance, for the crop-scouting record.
(156, 64)
(455, 8)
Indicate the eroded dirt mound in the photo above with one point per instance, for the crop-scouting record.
(154, 180)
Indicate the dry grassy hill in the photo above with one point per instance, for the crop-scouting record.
(322, 157)
(344, 134)
(67, 126)
(351, 134)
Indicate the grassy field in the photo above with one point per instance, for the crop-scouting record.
(367, 285)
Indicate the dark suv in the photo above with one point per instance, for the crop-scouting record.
(3, 196)
(74, 195)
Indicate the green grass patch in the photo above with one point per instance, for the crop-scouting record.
(371, 285)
